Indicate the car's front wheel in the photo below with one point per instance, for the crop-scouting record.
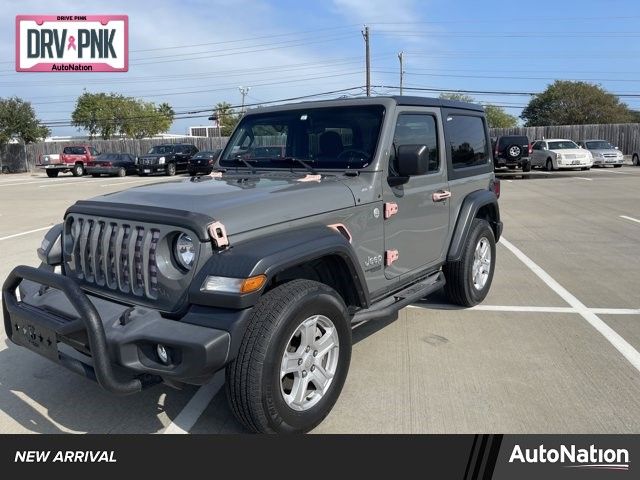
(293, 359)
(549, 165)
(469, 279)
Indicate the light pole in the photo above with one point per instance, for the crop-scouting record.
(401, 58)
(243, 91)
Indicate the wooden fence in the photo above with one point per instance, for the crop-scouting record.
(625, 136)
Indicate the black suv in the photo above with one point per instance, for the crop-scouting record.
(512, 151)
(168, 159)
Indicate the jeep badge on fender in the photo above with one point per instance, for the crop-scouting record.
(261, 268)
(72, 43)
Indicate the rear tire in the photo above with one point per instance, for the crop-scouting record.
(526, 167)
(95, 175)
(617, 166)
(469, 279)
(52, 173)
(260, 394)
(636, 160)
(77, 170)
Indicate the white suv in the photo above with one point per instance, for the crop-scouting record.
(557, 153)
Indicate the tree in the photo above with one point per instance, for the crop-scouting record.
(567, 102)
(18, 120)
(496, 116)
(226, 117)
(114, 114)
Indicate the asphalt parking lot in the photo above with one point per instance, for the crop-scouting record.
(553, 349)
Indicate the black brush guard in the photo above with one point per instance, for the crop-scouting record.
(89, 319)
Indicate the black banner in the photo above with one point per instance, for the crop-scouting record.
(466, 457)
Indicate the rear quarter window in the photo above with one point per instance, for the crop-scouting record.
(467, 141)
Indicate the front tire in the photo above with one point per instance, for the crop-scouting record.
(171, 170)
(293, 359)
(122, 172)
(549, 165)
(469, 279)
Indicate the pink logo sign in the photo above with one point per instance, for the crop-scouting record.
(72, 43)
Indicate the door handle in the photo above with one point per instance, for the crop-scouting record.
(441, 195)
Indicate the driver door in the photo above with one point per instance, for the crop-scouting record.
(416, 226)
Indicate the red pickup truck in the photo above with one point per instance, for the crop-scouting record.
(73, 159)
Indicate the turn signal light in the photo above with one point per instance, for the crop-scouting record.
(252, 284)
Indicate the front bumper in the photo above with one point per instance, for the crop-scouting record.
(114, 344)
(149, 169)
(608, 161)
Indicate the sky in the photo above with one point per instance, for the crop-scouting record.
(193, 54)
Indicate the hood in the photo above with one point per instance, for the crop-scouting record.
(606, 151)
(242, 203)
(572, 151)
(155, 155)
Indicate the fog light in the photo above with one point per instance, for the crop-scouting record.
(163, 354)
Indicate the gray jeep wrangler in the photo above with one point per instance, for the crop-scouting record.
(264, 266)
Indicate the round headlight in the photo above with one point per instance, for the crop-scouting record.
(185, 251)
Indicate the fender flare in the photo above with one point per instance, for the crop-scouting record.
(271, 254)
(468, 211)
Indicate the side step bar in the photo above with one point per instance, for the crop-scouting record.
(390, 305)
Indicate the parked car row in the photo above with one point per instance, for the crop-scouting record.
(168, 159)
(515, 151)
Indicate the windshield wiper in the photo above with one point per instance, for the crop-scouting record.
(239, 158)
(301, 162)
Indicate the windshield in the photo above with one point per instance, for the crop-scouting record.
(562, 145)
(332, 138)
(161, 149)
(599, 145)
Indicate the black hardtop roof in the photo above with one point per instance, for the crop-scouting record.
(404, 100)
(435, 102)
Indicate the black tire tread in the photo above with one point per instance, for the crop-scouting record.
(455, 271)
(243, 374)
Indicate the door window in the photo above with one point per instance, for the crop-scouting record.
(416, 129)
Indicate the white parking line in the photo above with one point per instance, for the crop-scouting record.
(79, 182)
(124, 182)
(584, 178)
(630, 218)
(525, 309)
(189, 415)
(24, 233)
(609, 170)
(619, 343)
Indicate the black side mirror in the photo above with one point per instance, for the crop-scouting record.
(412, 160)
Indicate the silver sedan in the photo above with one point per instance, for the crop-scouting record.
(603, 153)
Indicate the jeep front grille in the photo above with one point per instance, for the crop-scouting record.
(118, 255)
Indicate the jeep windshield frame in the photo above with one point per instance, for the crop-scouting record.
(326, 138)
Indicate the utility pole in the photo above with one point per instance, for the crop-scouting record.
(243, 91)
(401, 57)
(365, 35)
